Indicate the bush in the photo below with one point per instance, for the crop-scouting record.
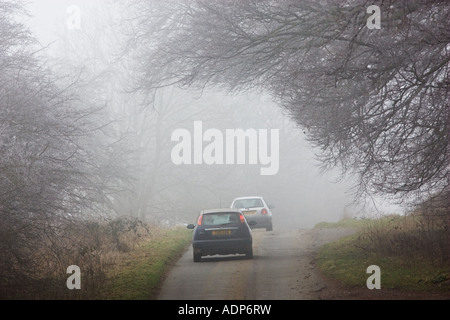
(418, 237)
(92, 245)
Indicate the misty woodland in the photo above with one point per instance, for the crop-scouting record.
(86, 123)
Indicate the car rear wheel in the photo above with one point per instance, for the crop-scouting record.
(269, 228)
(249, 254)
(197, 257)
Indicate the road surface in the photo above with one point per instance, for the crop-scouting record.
(282, 269)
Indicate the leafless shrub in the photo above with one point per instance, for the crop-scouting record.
(94, 246)
(420, 236)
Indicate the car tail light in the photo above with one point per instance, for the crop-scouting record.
(264, 211)
(199, 221)
(241, 216)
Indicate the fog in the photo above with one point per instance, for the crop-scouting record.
(162, 191)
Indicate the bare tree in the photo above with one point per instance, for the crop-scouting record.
(375, 102)
(49, 174)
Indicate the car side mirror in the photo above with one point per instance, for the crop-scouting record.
(252, 223)
(271, 206)
(190, 226)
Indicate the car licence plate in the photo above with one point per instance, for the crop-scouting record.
(249, 212)
(221, 232)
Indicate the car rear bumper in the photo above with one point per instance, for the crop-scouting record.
(222, 246)
(262, 221)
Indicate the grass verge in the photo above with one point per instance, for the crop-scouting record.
(347, 259)
(343, 223)
(138, 276)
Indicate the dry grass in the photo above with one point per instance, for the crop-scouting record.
(95, 246)
(422, 236)
(413, 251)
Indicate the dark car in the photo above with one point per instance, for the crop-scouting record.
(222, 231)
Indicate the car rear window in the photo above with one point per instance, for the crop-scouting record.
(248, 203)
(217, 219)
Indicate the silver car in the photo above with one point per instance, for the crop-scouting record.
(255, 209)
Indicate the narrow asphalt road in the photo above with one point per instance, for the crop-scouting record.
(282, 269)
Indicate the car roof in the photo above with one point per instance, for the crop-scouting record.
(254, 197)
(220, 210)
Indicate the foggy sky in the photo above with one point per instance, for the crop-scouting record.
(306, 197)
